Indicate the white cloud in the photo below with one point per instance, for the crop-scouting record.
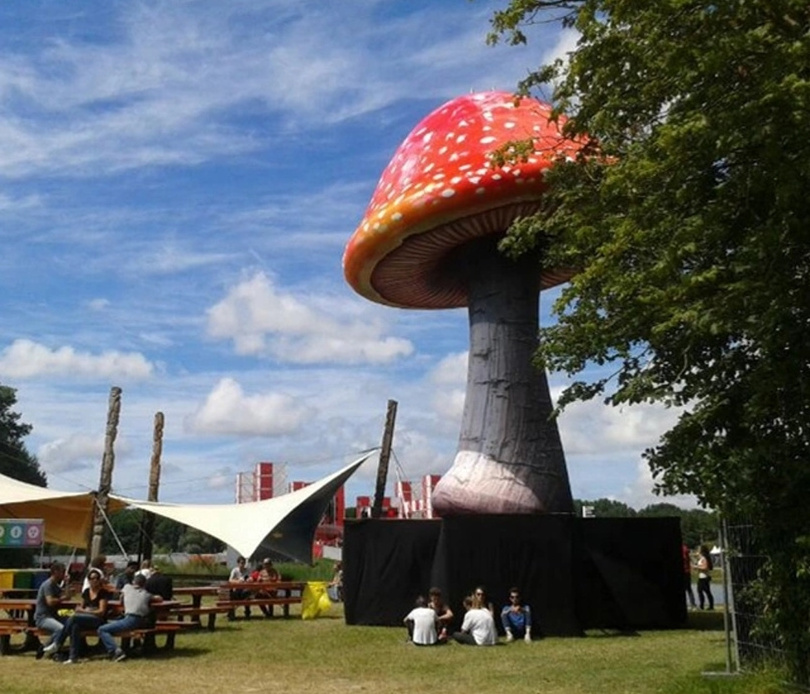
(27, 359)
(640, 493)
(73, 452)
(592, 427)
(98, 304)
(449, 378)
(229, 410)
(222, 479)
(263, 321)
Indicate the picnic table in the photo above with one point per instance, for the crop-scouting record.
(262, 594)
(19, 620)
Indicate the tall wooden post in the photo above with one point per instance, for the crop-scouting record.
(148, 519)
(385, 454)
(105, 482)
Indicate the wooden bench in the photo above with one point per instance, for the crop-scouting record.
(147, 635)
(259, 602)
(195, 613)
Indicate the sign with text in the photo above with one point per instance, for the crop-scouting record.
(21, 532)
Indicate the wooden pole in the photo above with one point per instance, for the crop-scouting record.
(148, 519)
(385, 454)
(105, 482)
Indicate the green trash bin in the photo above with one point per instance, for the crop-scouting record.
(23, 579)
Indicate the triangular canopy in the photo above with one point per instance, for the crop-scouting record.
(68, 516)
(285, 524)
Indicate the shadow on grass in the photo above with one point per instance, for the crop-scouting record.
(707, 620)
(610, 633)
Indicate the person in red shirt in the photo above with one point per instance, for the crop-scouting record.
(687, 575)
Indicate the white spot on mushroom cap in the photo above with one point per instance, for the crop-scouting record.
(448, 193)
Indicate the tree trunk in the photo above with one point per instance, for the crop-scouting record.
(105, 481)
(510, 457)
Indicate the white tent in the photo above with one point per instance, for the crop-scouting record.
(285, 524)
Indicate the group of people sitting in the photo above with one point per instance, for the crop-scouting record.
(265, 573)
(138, 588)
(430, 620)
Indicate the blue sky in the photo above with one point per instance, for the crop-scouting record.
(177, 183)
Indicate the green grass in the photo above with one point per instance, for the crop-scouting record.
(325, 655)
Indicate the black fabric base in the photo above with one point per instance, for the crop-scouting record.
(577, 574)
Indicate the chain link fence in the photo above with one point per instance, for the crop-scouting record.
(750, 644)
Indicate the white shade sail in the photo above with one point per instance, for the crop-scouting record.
(285, 524)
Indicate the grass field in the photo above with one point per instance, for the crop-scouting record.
(325, 655)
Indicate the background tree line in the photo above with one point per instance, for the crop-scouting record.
(698, 526)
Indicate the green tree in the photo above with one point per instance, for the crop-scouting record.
(126, 526)
(15, 460)
(689, 217)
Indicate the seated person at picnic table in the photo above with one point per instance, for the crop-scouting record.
(137, 609)
(146, 568)
(90, 615)
(443, 613)
(160, 584)
(239, 574)
(478, 627)
(49, 598)
(99, 563)
(421, 623)
(267, 574)
(126, 577)
(516, 618)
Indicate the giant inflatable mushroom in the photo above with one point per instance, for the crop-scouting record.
(429, 240)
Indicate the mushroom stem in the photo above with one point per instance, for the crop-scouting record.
(510, 457)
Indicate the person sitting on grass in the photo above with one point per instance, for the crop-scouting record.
(443, 613)
(136, 607)
(516, 618)
(421, 623)
(89, 615)
(478, 627)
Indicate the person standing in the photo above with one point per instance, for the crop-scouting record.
(516, 618)
(704, 567)
(421, 623)
(687, 575)
(49, 597)
(478, 627)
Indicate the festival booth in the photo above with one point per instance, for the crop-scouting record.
(577, 574)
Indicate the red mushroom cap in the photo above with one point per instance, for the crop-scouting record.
(440, 191)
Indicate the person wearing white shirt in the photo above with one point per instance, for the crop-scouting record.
(421, 622)
(478, 627)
